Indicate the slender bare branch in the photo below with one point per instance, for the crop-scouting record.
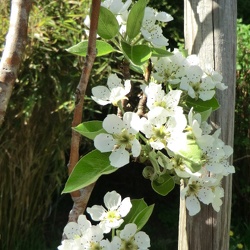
(81, 197)
(13, 51)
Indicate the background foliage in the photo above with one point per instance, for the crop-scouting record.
(35, 137)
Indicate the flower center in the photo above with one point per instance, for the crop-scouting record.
(193, 188)
(112, 216)
(129, 245)
(124, 138)
(95, 246)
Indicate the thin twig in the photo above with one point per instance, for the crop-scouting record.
(241, 158)
(143, 99)
(81, 197)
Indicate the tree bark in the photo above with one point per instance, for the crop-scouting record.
(81, 197)
(14, 48)
(210, 32)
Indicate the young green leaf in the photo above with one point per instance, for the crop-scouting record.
(137, 206)
(206, 114)
(163, 184)
(201, 106)
(143, 216)
(108, 26)
(139, 213)
(135, 18)
(192, 156)
(88, 169)
(138, 54)
(90, 129)
(81, 49)
(160, 52)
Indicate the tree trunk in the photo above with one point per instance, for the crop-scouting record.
(12, 54)
(210, 32)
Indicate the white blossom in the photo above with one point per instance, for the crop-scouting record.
(112, 216)
(114, 92)
(121, 139)
(196, 190)
(129, 238)
(151, 31)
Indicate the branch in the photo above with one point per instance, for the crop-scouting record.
(13, 51)
(81, 197)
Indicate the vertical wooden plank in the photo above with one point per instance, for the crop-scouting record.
(210, 32)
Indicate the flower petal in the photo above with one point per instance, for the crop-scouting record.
(193, 205)
(119, 158)
(128, 231)
(113, 124)
(71, 230)
(96, 212)
(83, 223)
(142, 240)
(104, 142)
(132, 122)
(136, 148)
(112, 200)
(125, 207)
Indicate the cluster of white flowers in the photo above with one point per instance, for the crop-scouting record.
(185, 73)
(165, 134)
(85, 236)
(167, 128)
(151, 29)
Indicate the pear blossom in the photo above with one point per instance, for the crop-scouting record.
(156, 97)
(197, 133)
(81, 235)
(121, 139)
(162, 131)
(114, 92)
(216, 77)
(116, 6)
(151, 31)
(196, 190)
(112, 216)
(170, 68)
(129, 238)
(217, 155)
(75, 230)
(196, 84)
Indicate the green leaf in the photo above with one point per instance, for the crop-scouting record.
(139, 213)
(138, 54)
(201, 106)
(142, 217)
(108, 26)
(160, 52)
(206, 114)
(192, 156)
(90, 129)
(163, 184)
(137, 206)
(87, 171)
(135, 18)
(81, 49)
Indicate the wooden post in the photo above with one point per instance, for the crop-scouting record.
(210, 32)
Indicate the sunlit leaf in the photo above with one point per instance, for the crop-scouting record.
(108, 26)
(163, 184)
(81, 49)
(88, 169)
(90, 129)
